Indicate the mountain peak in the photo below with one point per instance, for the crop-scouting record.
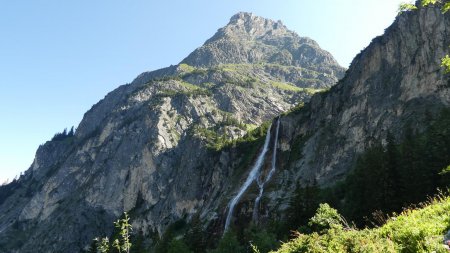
(251, 19)
(248, 24)
(241, 16)
(249, 38)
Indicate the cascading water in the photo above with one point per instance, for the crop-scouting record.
(254, 172)
(260, 182)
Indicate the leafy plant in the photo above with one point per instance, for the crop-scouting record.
(425, 3)
(446, 8)
(102, 245)
(406, 7)
(326, 218)
(446, 60)
(123, 244)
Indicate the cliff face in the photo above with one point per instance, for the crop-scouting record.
(150, 147)
(397, 81)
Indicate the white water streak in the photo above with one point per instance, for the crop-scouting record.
(269, 176)
(254, 172)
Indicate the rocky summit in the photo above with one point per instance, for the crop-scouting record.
(249, 39)
(164, 147)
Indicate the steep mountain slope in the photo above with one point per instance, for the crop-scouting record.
(150, 147)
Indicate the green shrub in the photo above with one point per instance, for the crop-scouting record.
(446, 60)
(419, 230)
(326, 218)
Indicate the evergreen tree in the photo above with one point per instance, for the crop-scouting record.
(303, 205)
(411, 166)
(229, 244)
(71, 132)
(178, 246)
(195, 237)
(392, 182)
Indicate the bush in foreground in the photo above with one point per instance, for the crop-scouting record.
(419, 230)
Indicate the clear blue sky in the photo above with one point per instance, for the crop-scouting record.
(58, 58)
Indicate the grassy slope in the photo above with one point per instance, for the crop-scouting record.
(419, 230)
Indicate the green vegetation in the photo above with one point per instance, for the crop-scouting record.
(419, 230)
(401, 174)
(250, 75)
(178, 246)
(326, 218)
(425, 3)
(213, 139)
(290, 87)
(406, 7)
(229, 244)
(446, 60)
(64, 135)
(189, 90)
(216, 137)
(186, 68)
(216, 141)
(189, 86)
(286, 86)
(253, 238)
(295, 109)
(311, 82)
(120, 244)
(168, 241)
(253, 134)
(446, 8)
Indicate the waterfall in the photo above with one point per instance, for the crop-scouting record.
(269, 176)
(254, 172)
